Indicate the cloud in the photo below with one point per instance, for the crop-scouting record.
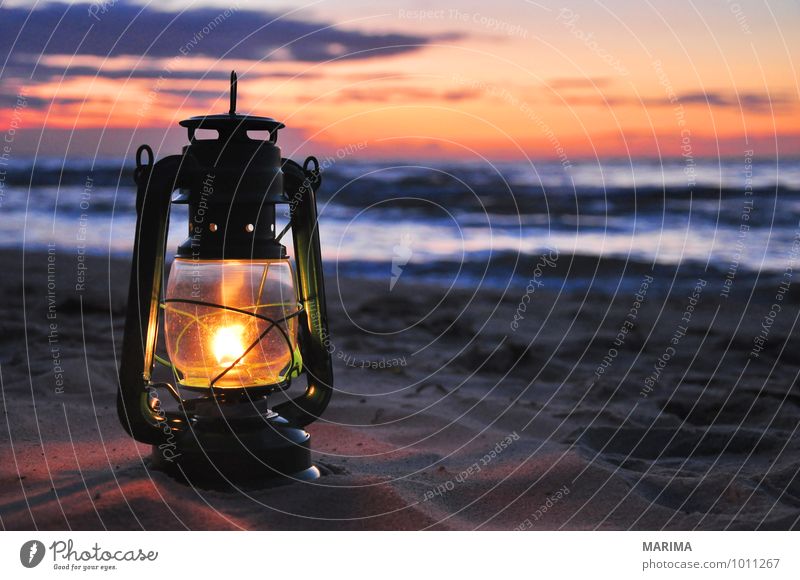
(753, 101)
(578, 82)
(403, 94)
(47, 71)
(211, 32)
(746, 101)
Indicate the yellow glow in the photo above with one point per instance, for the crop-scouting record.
(204, 341)
(228, 345)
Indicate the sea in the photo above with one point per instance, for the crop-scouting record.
(462, 224)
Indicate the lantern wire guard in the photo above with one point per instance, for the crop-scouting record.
(295, 361)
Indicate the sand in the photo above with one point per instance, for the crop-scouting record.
(478, 420)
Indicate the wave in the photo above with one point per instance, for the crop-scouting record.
(462, 220)
(551, 270)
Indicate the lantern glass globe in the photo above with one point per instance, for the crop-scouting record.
(232, 323)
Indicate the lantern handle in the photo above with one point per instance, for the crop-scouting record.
(138, 407)
(300, 185)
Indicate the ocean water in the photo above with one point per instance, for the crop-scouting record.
(459, 223)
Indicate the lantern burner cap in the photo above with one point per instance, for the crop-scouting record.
(229, 123)
(232, 123)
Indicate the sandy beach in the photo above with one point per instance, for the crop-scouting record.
(455, 409)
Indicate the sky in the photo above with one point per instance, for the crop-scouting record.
(509, 79)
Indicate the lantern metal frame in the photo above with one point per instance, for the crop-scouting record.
(231, 435)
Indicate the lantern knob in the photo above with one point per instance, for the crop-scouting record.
(232, 110)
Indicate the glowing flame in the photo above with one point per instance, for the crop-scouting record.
(228, 344)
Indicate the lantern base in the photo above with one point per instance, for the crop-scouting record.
(240, 452)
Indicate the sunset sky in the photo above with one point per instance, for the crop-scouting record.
(509, 79)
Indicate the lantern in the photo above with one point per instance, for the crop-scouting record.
(240, 320)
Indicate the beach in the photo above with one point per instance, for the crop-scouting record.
(588, 393)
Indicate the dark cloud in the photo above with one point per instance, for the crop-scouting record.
(209, 32)
(140, 73)
(42, 104)
(46, 72)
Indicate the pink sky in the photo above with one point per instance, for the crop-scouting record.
(548, 80)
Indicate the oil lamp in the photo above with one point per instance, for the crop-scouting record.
(239, 322)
